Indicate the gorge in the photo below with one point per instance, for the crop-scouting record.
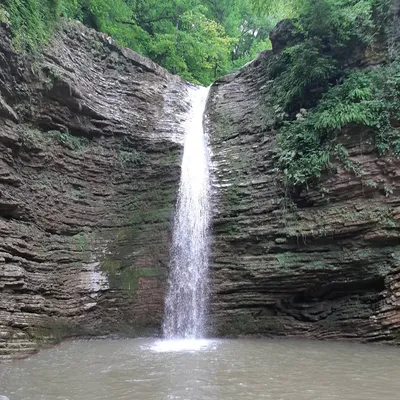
(91, 140)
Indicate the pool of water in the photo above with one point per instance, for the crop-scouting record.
(242, 369)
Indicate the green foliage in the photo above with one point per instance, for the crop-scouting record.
(31, 138)
(35, 139)
(368, 98)
(281, 9)
(32, 21)
(320, 73)
(241, 23)
(198, 39)
(4, 15)
(68, 140)
(199, 50)
(133, 156)
(81, 241)
(331, 31)
(308, 71)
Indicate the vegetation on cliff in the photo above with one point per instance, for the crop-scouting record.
(335, 75)
(197, 39)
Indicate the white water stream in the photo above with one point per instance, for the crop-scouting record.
(187, 292)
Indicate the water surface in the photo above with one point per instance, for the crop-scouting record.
(148, 369)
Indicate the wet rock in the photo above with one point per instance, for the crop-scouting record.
(88, 181)
(284, 35)
(313, 263)
(7, 111)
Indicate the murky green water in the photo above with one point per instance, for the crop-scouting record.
(146, 369)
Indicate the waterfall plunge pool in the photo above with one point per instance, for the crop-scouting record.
(237, 369)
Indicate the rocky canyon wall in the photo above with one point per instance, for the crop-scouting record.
(90, 137)
(91, 142)
(318, 263)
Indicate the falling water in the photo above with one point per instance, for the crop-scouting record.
(187, 293)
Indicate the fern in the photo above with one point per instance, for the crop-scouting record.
(32, 22)
(369, 98)
(319, 73)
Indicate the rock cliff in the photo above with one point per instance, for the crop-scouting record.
(318, 263)
(90, 137)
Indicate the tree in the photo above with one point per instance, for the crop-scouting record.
(199, 39)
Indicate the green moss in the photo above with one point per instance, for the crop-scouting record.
(232, 229)
(82, 241)
(318, 224)
(247, 324)
(241, 324)
(396, 255)
(138, 247)
(150, 207)
(382, 215)
(288, 259)
(53, 331)
(78, 193)
(33, 138)
(127, 278)
(169, 157)
(66, 139)
(272, 326)
(232, 196)
(132, 157)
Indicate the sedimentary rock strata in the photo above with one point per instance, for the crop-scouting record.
(90, 137)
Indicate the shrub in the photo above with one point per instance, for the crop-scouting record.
(322, 74)
(368, 98)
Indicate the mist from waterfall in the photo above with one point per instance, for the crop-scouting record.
(188, 291)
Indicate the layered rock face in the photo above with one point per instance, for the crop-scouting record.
(318, 263)
(90, 137)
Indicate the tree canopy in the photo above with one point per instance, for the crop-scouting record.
(197, 39)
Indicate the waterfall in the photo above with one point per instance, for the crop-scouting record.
(187, 291)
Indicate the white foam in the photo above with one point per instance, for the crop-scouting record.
(181, 345)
